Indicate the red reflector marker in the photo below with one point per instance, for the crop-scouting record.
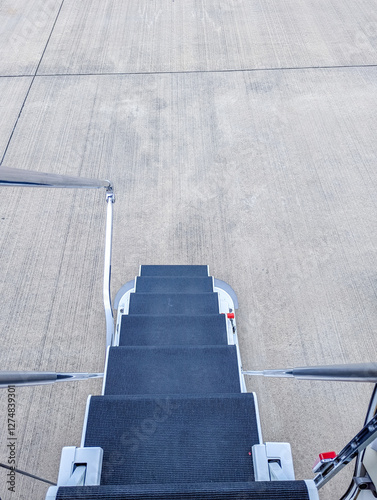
(327, 455)
(322, 458)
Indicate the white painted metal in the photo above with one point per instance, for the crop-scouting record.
(105, 371)
(107, 269)
(51, 493)
(370, 463)
(93, 458)
(122, 291)
(365, 495)
(256, 404)
(225, 300)
(73, 458)
(312, 489)
(70, 458)
(260, 463)
(85, 421)
(273, 462)
(226, 305)
(78, 477)
(283, 453)
(67, 460)
(276, 472)
(123, 308)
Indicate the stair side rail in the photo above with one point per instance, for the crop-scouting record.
(28, 178)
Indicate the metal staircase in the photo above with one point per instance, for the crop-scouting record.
(174, 420)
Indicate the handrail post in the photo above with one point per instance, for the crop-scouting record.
(28, 178)
(110, 199)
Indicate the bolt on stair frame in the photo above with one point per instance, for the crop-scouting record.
(27, 178)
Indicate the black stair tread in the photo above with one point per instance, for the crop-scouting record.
(173, 330)
(171, 303)
(173, 270)
(260, 490)
(176, 284)
(176, 439)
(172, 370)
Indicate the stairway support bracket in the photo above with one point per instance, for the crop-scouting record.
(273, 462)
(72, 458)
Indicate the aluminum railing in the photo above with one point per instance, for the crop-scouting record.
(41, 378)
(354, 372)
(28, 178)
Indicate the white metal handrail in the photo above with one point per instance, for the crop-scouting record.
(110, 199)
(8, 378)
(28, 178)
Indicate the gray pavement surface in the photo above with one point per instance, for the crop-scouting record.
(255, 153)
(25, 30)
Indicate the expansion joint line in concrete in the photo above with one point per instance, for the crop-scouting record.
(188, 72)
(31, 83)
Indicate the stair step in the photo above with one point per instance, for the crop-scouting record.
(173, 330)
(173, 284)
(192, 271)
(272, 490)
(172, 370)
(170, 303)
(173, 439)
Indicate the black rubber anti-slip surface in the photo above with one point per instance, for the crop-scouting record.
(192, 271)
(273, 490)
(171, 303)
(173, 284)
(172, 370)
(173, 330)
(178, 439)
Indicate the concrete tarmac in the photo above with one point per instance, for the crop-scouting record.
(237, 133)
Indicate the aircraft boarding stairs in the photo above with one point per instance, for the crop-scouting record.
(174, 420)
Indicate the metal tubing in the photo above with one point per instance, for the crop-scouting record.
(357, 372)
(360, 471)
(78, 476)
(107, 269)
(270, 373)
(41, 378)
(28, 178)
(329, 469)
(19, 471)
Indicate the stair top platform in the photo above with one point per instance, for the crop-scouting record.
(187, 271)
